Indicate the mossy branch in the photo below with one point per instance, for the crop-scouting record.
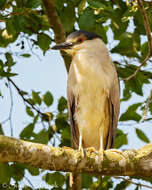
(127, 163)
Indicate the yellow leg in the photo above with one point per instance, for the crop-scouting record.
(101, 149)
(80, 140)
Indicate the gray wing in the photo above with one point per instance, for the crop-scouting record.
(114, 107)
(72, 101)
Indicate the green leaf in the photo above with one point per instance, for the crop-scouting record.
(59, 4)
(9, 58)
(67, 16)
(26, 55)
(136, 85)
(121, 139)
(2, 3)
(87, 20)
(144, 50)
(118, 27)
(48, 98)
(44, 41)
(61, 121)
(66, 133)
(31, 101)
(32, 170)
(18, 171)
(35, 119)
(86, 181)
(56, 179)
(33, 3)
(62, 104)
(41, 137)
(128, 45)
(126, 93)
(107, 183)
(27, 132)
(22, 92)
(101, 31)
(5, 173)
(1, 94)
(29, 112)
(1, 130)
(131, 114)
(139, 23)
(96, 4)
(150, 107)
(19, 23)
(66, 137)
(36, 97)
(10, 26)
(122, 185)
(5, 74)
(81, 6)
(142, 135)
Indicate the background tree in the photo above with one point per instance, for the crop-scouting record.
(28, 25)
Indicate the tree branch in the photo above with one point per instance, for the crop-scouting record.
(146, 24)
(57, 27)
(128, 163)
(20, 92)
(132, 182)
(138, 69)
(148, 32)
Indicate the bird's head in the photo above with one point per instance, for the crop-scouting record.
(75, 41)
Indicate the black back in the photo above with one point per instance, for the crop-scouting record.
(89, 35)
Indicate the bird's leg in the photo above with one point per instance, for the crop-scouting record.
(80, 140)
(101, 149)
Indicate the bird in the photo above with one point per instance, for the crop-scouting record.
(93, 91)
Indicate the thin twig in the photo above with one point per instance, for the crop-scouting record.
(146, 24)
(29, 182)
(148, 119)
(11, 109)
(138, 69)
(4, 121)
(31, 49)
(148, 32)
(24, 99)
(130, 181)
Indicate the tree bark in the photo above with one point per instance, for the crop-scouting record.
(57, 28)
(114, 163)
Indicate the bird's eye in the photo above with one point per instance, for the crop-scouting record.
(80, 40)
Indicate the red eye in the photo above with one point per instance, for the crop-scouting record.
(80, 40)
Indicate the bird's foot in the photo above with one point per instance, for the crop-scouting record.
(82, 152)
(117, 152)
(91, 149)
(101, 154)
(66, 147)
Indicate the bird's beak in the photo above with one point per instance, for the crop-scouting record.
(64, 45)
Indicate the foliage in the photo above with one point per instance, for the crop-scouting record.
(22, 20)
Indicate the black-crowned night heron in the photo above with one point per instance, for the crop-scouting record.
(93, 91)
